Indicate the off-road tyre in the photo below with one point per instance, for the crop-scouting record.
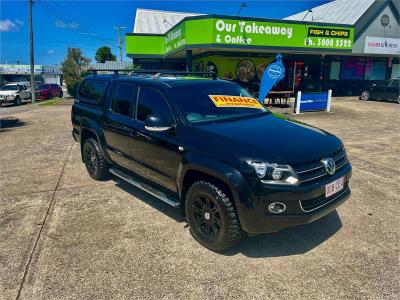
(229, 231)
(94, 160)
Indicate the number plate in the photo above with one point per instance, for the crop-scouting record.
(334, 187)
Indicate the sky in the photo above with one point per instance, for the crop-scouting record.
(89, 25)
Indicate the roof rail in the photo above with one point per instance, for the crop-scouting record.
(94, 71)
(166, 73)
(156, 73)
(159, 73)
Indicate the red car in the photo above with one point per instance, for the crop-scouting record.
(48, 91)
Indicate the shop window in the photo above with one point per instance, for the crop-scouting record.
(375, 69)
(395, 71)
(352, 68)
(335, 70)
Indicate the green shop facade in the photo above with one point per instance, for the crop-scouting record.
(317, 56)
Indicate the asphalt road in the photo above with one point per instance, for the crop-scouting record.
(64, 235)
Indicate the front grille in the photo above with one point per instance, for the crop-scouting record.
(313, 204)
(314, 170)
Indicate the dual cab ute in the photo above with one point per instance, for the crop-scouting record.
(208, 147)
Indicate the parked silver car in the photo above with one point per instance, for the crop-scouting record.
(15, 93)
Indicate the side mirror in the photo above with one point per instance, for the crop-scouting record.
(157, 123)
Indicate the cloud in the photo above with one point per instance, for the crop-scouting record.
(61, 24)
(19, 22)
(8, 26)
(51, 51)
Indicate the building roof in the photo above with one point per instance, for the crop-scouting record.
(157, 21)
(337, 12)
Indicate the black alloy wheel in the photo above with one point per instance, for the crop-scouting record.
(206, 215)
(212, 217)
(94, 160)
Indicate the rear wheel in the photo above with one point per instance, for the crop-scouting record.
(211, 216)
(94, 160)
(365, 96)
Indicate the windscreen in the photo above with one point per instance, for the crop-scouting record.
(10, 88)
(215, 101)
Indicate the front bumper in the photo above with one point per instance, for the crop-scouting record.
(256, 218)
(6, 100)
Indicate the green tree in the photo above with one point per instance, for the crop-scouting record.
(73, 68)
(104, 54)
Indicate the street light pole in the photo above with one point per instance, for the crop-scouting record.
(32, 61)
(119, 40)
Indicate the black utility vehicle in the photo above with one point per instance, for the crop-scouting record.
(386, 90)
(206, 146)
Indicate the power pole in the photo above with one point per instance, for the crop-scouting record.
(32, 61)
(119, 40)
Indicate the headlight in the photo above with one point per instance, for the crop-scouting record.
(12, 96)
(275, 174)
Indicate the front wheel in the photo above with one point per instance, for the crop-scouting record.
(365, 96)
(17, 101)
(212, 217)
(94, 160)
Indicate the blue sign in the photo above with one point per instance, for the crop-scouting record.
(273, 73)
(312, 101)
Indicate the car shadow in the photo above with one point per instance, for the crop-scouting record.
(9, 124)
(291, 241)
(173, 213)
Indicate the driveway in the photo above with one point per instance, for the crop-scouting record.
(64, 235)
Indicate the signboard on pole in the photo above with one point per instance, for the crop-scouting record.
(313, 102)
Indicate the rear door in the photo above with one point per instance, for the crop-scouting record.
(117, 125)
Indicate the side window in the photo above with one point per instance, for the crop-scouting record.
(92, 91)
(123, 99)
(152, 102)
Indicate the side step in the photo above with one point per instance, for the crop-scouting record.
(145, 187)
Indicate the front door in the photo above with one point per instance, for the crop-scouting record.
(157, 152)
(392, 90)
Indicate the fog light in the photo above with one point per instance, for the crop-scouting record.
(277, 207)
